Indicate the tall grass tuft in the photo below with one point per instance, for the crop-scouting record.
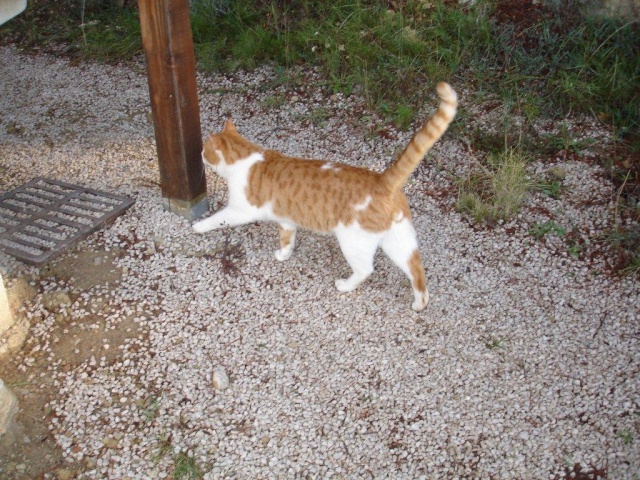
(497, 190)
(186, 467)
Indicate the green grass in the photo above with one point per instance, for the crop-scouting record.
(274, 101)
(625, 243)
(113, 35)
(496, 189)
(551, 183)
(543, 64)
(150, 408)
(552, 187)
(565, 142)
(626, 436)
(574, 250)
(539, 230)
(318, 116)
(360, 46)
(186, 467)
(603, 72)
(164, 447)
(633, 265)
(493, 343)
(99, 31)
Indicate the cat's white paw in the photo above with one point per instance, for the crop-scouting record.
(420, 301)
(344, 285)
(200, 227)
(284, 254)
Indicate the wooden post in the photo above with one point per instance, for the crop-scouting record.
(171, 70)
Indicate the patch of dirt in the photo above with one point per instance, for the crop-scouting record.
(577, 473)
(522, 13)
(29, 450)
(86, 269)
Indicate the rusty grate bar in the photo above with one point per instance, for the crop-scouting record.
(42, 218)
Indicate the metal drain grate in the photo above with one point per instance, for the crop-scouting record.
(44, 217)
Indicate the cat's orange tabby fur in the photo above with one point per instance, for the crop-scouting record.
(364, 209)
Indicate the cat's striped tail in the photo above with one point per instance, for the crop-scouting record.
(398, 173)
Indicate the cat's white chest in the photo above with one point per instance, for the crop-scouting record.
(237, 177)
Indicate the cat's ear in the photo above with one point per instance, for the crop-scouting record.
(213, 139)
(229, 126)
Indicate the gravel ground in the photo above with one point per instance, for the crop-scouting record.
(524, 364)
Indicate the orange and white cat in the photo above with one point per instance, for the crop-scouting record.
(364, 209)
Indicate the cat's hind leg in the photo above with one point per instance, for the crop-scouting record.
(358, 247)
(287, 241)
(401, 245)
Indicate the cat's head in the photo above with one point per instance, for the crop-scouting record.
(226, 148)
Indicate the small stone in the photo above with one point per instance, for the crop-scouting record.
(14, 129)
(53, 301)
(558, 173)
(64, 474)
(20, 293)
(220, 379)
(110, 442)
(98, 304)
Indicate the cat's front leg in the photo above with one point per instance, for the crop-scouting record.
(227, 217)
(287, 241)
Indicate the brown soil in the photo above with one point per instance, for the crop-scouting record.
(28, 450)
(522, 13)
